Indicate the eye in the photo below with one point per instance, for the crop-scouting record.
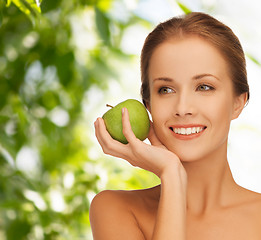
(204, 87)
(165, 90)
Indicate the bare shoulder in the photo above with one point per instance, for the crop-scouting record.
(252, 212)
(252, 198)
(125, 198)
(255, 204)
(112, 213)
(251, 207)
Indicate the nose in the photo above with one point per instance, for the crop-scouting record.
(184, 105)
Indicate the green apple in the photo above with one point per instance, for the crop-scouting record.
(139, 120)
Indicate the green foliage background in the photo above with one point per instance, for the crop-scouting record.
(43, 73)
(48, 171)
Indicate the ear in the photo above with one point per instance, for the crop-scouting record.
(239, 104)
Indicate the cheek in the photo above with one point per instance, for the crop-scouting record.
(159, 113)
(220, 113)
(160, 108)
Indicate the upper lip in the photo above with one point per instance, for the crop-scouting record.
(187, 126)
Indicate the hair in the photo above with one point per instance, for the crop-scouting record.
(207, 28)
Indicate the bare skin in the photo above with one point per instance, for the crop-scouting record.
(198, 197)
(238, 221)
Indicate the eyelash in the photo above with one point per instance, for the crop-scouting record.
(168, 90)
(164, 89)
(210, 88)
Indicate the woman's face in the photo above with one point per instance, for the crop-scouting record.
(191, 98)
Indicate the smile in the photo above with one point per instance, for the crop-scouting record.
(187, 131)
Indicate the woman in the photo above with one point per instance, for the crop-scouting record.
(194, 84)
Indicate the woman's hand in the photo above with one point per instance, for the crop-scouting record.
(154, 158)
(171, 216)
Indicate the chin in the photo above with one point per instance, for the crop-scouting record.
(188, 155)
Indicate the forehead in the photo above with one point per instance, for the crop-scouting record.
(185, 57)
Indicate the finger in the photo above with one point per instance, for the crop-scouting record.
(102, 134)
(109, 145)
(98, 132)
(152, 136)
(126, 126)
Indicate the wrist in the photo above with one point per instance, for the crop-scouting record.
(175, 174)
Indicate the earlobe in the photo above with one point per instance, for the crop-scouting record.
(239, 104)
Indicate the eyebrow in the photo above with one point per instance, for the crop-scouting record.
(165, 79)
(197, 77)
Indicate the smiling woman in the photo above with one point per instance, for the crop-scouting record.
(199, 94)
(194, 83)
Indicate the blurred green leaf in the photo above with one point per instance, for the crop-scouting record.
(47, 174)
(8, 2)
(48, 5)
(65, 74)
(183, 7)
(27, 6)
(18, 229)
(253, 59)
(102, 23)
(104, 5)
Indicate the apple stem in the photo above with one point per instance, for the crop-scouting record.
(108, 105)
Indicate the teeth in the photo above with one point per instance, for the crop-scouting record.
(187, 131)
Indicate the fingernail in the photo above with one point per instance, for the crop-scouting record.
(96, 122)
(122, 110)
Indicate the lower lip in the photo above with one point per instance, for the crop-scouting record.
(187, 137)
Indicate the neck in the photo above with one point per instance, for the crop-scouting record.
(210, 183)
